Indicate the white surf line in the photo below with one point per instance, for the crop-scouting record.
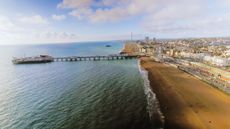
(153, 106)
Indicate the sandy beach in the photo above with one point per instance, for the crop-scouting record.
(185, 101)
(130, 49)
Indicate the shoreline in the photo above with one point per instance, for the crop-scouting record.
(153, 106)
(185, 101)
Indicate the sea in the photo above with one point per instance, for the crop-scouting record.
(104, 94)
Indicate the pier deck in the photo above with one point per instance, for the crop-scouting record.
(46, 59)
(94, 58)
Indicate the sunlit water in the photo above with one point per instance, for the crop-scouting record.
(71, 95)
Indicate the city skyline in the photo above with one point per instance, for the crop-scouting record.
(33, 21)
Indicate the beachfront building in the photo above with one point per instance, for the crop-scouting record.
(217, 61)
(143, 49)
(186, 54)
(147, 39)
(214, 76)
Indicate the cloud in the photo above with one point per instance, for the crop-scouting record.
(106, 10)
(175, 15)
(116, 10)
(75, 4)
(57, 35)
(58, 17)
(183, 18)
(160, 17)
(36, 20)
(24, 30)
(6, 24)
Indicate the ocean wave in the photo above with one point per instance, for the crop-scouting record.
(153, 106)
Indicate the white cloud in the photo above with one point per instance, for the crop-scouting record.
(107, 10)
(58, 17)
(116, 10)
(6, 24)
(75, 3)
(81, 13)
(57, 35)
(25, 30)
(184, 18)
(36, 20)
(157, 16)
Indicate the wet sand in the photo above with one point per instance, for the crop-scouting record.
(185, 101)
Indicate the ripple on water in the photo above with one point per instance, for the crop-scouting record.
(68, 95)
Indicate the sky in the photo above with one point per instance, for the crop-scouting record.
(63, 21)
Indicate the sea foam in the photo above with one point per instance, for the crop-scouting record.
(153, 106)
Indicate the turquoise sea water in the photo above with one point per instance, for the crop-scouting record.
(71, 95)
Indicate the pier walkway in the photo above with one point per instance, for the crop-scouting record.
(94, 58)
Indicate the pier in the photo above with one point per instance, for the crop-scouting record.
(47, 58)
(94, 58)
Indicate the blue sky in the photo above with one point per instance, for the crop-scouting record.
(52, 21)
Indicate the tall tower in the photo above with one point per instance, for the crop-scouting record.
(131, 36)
